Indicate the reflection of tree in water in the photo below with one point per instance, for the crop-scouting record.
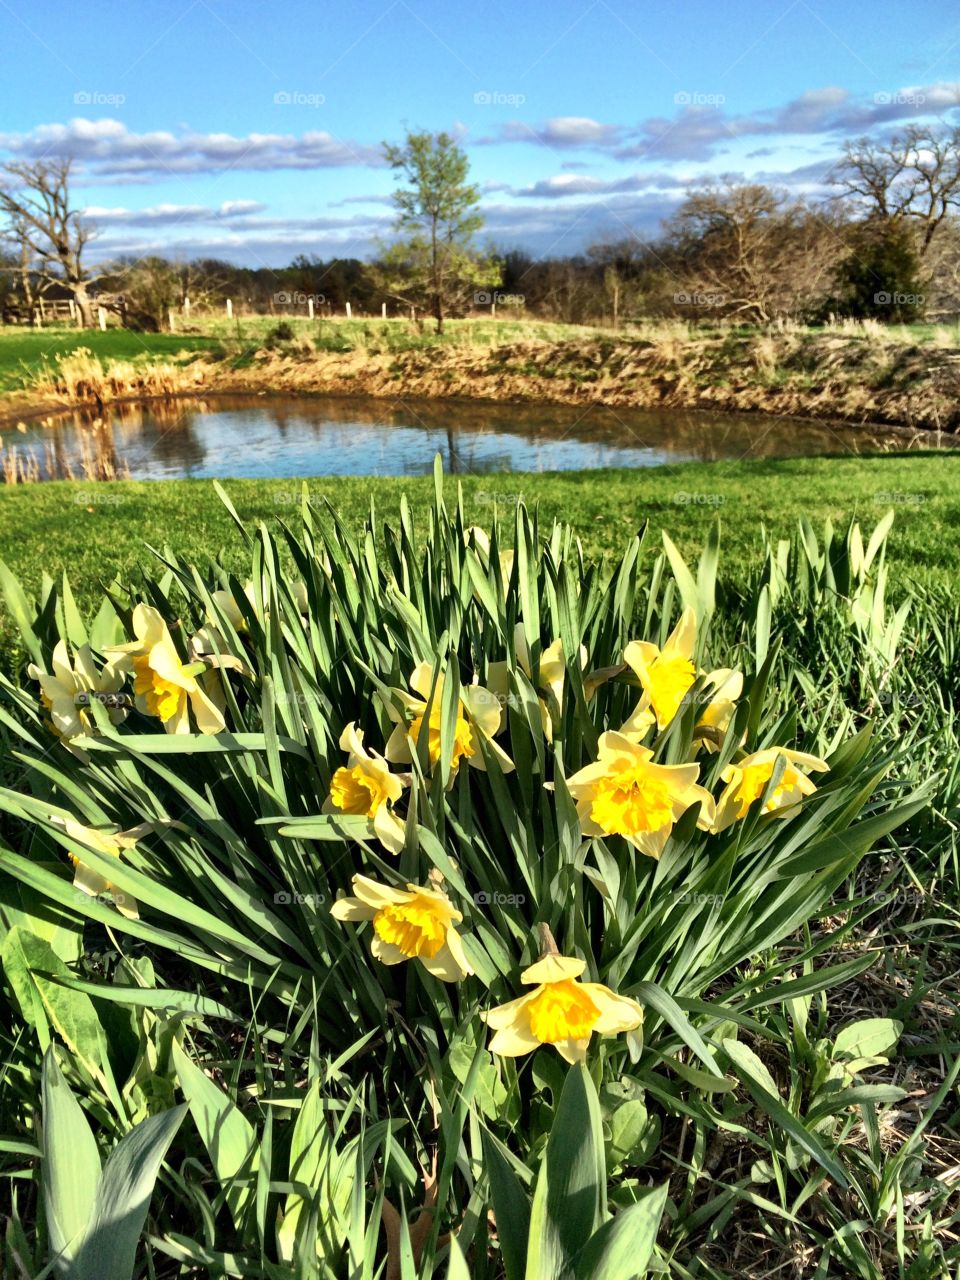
(174, 437)
(164, 432)
(699, 435)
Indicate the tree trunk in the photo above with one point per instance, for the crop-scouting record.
(84, 305)
(26, 287)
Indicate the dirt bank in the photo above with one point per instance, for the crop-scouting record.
(856, 379)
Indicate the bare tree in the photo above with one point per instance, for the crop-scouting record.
(748, 251)
(36, 200)
(915, 176)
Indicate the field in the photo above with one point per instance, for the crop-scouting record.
(97, 532)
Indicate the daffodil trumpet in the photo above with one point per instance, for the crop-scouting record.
(625, 793)
(415, 923)
(560, 1011)
(365, 787)
(418, 719)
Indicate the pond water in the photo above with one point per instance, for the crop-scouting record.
(286, 437)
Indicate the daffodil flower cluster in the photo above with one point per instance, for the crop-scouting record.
(625, 793)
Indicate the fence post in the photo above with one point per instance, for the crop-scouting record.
(102, 317)
(310, 306)
(186, 305)
(170, 320)
(349, 311)
(383, 310)
(229, 309)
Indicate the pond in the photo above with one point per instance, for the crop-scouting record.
(257, 436)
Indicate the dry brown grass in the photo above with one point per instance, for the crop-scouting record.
(81, 376)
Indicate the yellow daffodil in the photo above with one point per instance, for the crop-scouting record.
(625, 794)
(561, 1011)
(666, 674)
(92, 882)
(478, 716)
(365, 786)
(747, 780)
(553, 673)
(226, 602)
(724, 687)
(482, 542)
(62, 691)
(415, 923)
(164, 686)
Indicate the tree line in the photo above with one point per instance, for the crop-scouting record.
(884, 244)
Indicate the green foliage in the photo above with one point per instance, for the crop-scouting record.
(434, 264)
(882, 277)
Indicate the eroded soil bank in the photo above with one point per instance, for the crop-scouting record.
(856, 379)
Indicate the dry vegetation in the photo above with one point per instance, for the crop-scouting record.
(856, 372)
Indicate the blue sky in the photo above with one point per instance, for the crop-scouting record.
(251, 130)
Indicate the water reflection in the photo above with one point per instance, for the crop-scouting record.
(286, 437)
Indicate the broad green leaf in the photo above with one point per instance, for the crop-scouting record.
(109, 1247)
(622, 1248)
(71, 1168)
(229, 1137)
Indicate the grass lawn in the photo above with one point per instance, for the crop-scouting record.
(23, 352)
(94, 532)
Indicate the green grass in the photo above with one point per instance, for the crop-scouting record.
(96, 531)
(23, 352)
